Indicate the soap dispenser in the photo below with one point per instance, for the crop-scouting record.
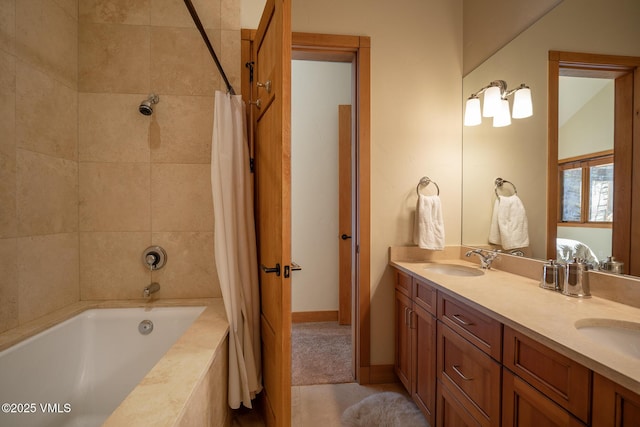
(576, 279)
(552, 276)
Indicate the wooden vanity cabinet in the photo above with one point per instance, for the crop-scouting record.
(614, 405)
(415, 363)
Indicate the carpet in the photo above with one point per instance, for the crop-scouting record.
(320, 353)
(388, 409)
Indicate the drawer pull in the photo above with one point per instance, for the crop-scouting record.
(455, 368)
(461, 320)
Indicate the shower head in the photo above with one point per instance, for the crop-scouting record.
(146, 106)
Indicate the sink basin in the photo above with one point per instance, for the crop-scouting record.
(454, 270)
(617, 335)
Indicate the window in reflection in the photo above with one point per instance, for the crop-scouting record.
(586, 196)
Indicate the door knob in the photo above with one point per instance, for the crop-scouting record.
(345, 237)
(275, 269)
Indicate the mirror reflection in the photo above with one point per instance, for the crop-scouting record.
(583, 160)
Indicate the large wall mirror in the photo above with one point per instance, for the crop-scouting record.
(522, 154)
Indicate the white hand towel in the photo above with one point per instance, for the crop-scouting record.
(428, 230)
(512, 223)
(494, 229)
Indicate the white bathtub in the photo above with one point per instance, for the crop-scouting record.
(78, 372)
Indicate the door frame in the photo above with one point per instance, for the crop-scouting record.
(626, 71)
(357, 50)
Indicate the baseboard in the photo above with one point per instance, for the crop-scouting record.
(314, 316)
(382, 374)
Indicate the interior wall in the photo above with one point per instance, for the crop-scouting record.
(416, 69)
(317, 88)
(87, 181)
(38, 159)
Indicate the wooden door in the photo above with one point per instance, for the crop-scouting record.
(271, 52)
(423, 362)
(344, 215)
(614, 405)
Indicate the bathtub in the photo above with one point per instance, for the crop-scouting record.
(82, 370)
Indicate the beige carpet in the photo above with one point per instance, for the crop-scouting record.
(320, 353)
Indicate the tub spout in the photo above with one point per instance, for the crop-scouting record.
(152, 288)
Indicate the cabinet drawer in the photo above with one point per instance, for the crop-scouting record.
(563, 380)
(470, 375)
(451, 413)
(403, 282)
(425, 295)
(523, 405)
(483, 331)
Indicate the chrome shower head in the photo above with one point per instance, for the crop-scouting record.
(146, 106)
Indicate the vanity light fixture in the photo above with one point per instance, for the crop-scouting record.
(496, 104)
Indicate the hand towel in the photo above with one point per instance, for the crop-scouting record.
(512, 223)
(428, 230)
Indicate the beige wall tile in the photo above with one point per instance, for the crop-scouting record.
(186, 126)
(230, 14)
(181, 197)
(111, 129)
(47, 194)
(8, 224)
(48, 274)
(8, 284)
(114, 197)
(47, 37)
(181, 62)
(115, 11)
(113, 58)
(46, 114)
(171, 13)
(111, 265)
(230, 58)
(69, 6)
(8, 25)
(190, 271)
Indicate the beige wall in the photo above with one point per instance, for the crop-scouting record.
(87, 181)
(416, 69)
(38, 159)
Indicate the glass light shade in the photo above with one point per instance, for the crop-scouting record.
(522, 105)
(492, 97)
(503, 116)
(472, 115)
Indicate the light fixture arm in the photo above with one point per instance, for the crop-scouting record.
(496, 83)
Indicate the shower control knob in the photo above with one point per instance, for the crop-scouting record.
(154, 257)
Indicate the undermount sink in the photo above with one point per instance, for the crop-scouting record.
(617, 335)
(454, 270)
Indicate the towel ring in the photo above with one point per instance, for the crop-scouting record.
(499, 182)
(425, 180)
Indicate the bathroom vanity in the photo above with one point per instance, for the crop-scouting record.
(494, 349)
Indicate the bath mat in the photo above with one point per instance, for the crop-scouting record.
(320, 353)
(388, 409)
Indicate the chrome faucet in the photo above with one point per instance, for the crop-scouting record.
(486, 257)
(152, 288)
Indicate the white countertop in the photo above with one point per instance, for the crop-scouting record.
(546, 316)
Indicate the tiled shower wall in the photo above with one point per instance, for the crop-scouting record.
(86, 181)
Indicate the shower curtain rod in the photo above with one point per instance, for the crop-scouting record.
(196, 21)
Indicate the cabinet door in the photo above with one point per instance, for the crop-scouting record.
(403, 339)
(524, 406)
(563, 380)
(423, 389)
(614, 405)
(450, 412)
(471, 376)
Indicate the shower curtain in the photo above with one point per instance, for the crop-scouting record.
(235, 246)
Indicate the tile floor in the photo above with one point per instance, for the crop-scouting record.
(319, 405)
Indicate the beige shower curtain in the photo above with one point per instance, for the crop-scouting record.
(235, 246)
